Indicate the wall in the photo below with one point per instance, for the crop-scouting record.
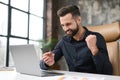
(95, 12)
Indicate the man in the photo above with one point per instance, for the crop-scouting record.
(84, 50)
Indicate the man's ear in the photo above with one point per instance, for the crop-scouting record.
(79, 19)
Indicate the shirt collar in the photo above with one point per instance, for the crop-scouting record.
(85, 35)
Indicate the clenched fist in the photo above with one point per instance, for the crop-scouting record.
(91, 43)
(48, 58)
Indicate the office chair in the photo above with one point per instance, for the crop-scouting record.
(111, 33)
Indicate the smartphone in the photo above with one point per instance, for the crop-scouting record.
(45, 50)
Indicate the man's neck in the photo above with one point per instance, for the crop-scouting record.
(79, 36)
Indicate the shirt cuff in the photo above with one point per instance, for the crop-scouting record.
(43, 65)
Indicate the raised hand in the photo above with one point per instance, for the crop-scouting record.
(91, 43)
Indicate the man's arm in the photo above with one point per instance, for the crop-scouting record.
(103, 65)
(97, 45)
(49, 60)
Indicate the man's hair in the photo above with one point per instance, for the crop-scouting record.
(73, 9)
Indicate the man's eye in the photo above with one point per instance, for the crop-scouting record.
(68, 24)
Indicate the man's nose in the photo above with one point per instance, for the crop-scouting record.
(65, 28)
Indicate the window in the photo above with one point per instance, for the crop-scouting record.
(3, 41)
(21, 22)
(3, 19)
(36, 28)
(21, 4)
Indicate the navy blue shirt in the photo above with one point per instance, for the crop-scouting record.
(79, 57)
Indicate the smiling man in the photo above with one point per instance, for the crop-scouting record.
(84, 50)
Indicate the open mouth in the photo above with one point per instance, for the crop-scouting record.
(69, 32)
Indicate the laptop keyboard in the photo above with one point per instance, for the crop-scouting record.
(50, 73)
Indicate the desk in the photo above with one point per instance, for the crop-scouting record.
(13, 75)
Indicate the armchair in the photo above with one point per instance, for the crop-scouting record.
(111, 33)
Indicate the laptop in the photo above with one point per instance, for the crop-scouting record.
(26, 61)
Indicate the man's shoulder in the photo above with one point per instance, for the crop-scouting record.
(66, 38)
(88, 32)
(95, 33)
(98, 35)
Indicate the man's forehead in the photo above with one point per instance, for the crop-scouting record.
(66, 17)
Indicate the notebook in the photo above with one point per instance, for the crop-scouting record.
(26, 61)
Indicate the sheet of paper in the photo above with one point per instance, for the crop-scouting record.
(78, 78)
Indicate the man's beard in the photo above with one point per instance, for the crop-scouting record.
(73, 31)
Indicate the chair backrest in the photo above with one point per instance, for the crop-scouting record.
(113, 50)
(111, 33)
